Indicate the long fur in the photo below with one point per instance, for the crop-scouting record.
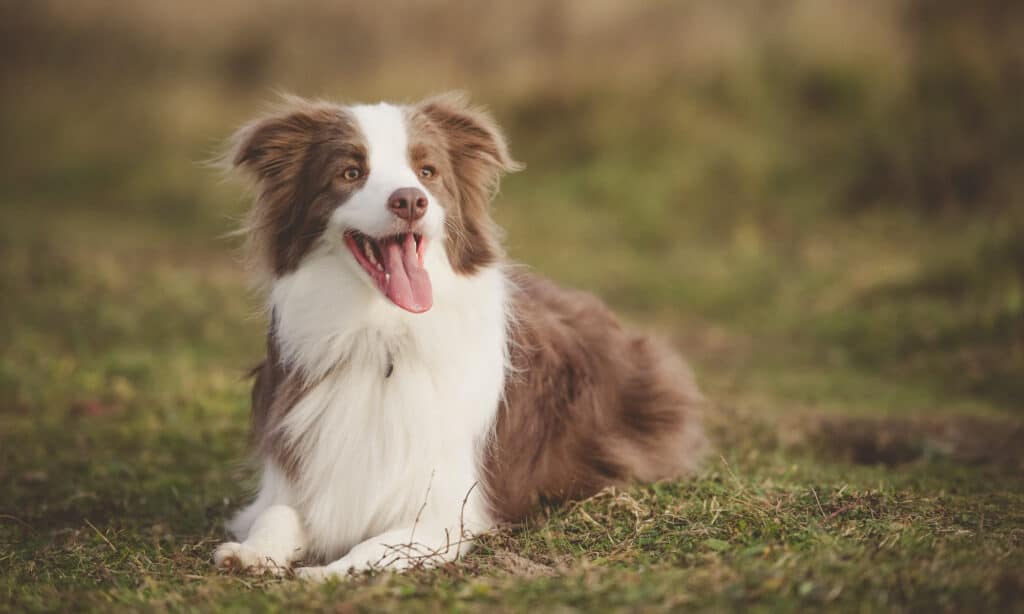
(388, 438)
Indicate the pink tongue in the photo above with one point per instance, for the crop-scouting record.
(408, 284)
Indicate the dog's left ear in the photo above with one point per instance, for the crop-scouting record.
(479, 157)
(474, 138)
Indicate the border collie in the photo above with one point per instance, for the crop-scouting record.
(417, 389)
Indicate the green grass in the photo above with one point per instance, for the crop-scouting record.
(856, 323)
(852, 467)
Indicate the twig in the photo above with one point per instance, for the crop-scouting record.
(845, 508)
(102, 536)
(818, 501)
(418, 554)
(426, 497)
(735, 478)
(18, 520)
(462, 512)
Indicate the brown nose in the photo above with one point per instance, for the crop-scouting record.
(408, 203)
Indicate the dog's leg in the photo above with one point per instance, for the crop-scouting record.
(396, 551)
(451, 514)
(275, 540)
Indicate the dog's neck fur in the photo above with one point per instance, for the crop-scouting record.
(327, 313)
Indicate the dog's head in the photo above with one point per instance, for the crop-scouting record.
(379, 186)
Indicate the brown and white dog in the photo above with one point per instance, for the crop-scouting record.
(417, 390)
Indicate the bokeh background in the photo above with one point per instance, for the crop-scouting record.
(821, 203)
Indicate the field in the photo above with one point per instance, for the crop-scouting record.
(821, 205)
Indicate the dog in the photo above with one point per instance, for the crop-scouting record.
(417, 388)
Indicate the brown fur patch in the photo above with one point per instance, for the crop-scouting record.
(477, 156)
(275, 392)
(587, 405)
(296, 156)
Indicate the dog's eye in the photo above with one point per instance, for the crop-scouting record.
(352, 173)
(427, 172)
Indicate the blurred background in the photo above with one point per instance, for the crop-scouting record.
(822, 202)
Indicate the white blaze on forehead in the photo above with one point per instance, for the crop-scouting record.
(383, 127)
(385, 133)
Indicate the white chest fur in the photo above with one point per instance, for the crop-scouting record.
(380, 451)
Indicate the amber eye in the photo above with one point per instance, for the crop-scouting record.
(427, 172)
(352, 173)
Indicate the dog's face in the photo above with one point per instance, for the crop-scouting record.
(381, 185)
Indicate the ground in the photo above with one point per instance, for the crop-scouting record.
(860, 340)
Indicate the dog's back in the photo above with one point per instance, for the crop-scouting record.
(587, 404)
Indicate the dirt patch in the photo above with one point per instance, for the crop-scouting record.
(895, 441)
(868, 440)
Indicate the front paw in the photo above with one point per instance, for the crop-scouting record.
(232, 556)
(343, 568)
(316, 574)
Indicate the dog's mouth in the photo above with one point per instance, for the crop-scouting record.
(395, 264)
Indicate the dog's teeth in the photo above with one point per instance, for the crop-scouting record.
(380, 267)
(369, 253)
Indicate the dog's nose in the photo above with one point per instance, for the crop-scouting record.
(408, 203)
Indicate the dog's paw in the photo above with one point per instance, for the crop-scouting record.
(232, 556)
(316, 574)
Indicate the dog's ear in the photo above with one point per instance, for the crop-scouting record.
(474, 141)
(279, 152)
(272, 147)
(479, 157)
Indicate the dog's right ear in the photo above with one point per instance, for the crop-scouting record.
(273, 151)
(272, 147)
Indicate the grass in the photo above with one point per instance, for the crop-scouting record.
(862, 348)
